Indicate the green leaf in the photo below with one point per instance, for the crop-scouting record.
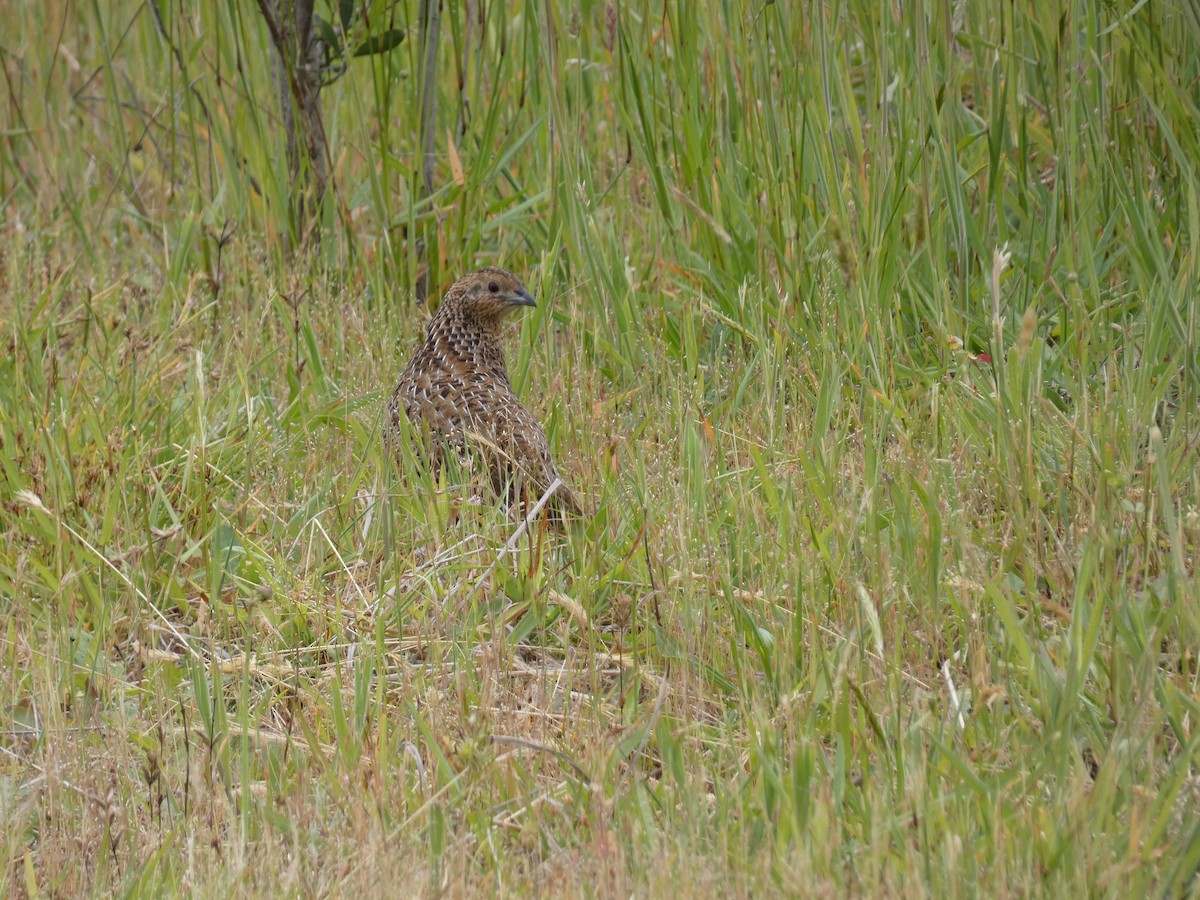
(383, 42)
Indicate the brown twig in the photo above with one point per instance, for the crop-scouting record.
(542, 748)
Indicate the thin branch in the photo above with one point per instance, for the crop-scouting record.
(557, 754)
(431, 22)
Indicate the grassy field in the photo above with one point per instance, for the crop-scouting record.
(867, 331)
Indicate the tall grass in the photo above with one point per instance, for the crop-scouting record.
(867, 331)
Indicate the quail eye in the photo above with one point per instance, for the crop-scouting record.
(493, 287)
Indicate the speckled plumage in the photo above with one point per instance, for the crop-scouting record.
(455, 392)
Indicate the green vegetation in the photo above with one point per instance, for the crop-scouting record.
(868, 331)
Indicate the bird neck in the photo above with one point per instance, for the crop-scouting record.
(470, 342)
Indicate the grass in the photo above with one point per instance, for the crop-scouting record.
(867, 331)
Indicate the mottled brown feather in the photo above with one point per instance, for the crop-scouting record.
(456, 394)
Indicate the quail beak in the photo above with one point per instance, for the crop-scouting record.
(523, 298)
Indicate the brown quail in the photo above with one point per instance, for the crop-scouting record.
(456, 394)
